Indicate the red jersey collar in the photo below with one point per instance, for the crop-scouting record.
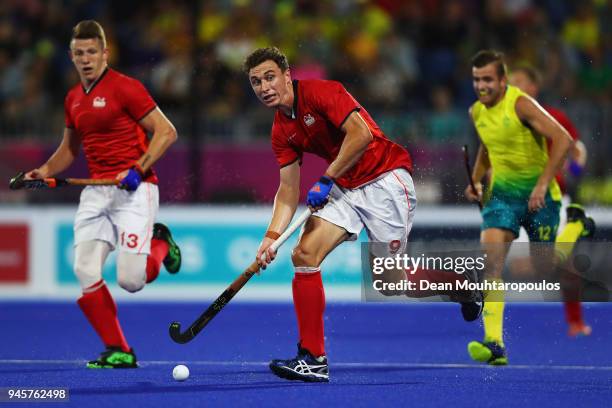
(87, 91)
(295, 100)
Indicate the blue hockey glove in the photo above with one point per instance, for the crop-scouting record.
(317, 195)
(575, 168)
(131, 181)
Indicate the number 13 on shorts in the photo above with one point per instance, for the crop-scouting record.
(128, 240)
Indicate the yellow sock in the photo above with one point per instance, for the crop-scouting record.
(566, 240)
(493, 315)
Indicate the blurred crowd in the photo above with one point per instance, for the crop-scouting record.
(394, 55)
(407, 61)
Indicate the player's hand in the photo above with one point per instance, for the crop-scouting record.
(130, 179)
(472, 195)
(317, 195)
(265, 254)
(537, 198)
(36, 174)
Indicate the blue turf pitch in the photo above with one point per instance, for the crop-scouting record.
(380, 354)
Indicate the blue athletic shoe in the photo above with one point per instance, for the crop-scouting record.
(304, 367)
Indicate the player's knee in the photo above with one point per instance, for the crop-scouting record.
(302, 257)
(494, 271)
(87, 274)
(88, 264)
(131, 273)
(131, 284)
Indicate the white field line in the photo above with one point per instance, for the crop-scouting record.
(343, 365)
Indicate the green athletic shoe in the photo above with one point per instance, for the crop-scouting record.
(172, 261)
(114, 357)
(489, 352)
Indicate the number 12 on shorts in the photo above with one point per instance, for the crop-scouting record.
(129, 240)
(545, 232)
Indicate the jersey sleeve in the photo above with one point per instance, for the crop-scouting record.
(285, 154)
(67, 116)
(135, 99)
(334, 102)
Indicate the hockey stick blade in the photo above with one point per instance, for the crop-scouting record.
(202, 321)
(19, 182)
(227, 295)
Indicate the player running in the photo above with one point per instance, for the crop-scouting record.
(367, 184)
(528, 79)
(522, 191)
(109, 113)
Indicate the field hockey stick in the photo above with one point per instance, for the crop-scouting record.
(19, 182)
(466, 159)
(232, 290)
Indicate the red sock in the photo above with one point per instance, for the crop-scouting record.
(573, 311)
(159, 250)
(101, 311)
(571, 286)
(309, 302)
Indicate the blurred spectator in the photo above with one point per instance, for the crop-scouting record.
(581, 31)
(445, 124)
(387, 51)
(595, 76)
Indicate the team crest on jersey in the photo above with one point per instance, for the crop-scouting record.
(309, 119)
(99, 102)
